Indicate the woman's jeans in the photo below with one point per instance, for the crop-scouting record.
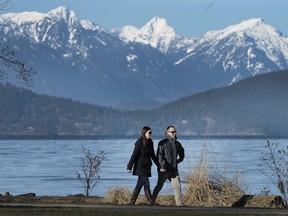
(142, 181)
(174, 178)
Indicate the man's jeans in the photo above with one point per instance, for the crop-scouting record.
(174, 178)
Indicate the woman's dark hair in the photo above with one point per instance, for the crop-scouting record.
(143, 132)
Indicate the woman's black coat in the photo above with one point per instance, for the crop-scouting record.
(141, 158)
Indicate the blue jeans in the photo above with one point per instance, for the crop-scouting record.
(143, 181)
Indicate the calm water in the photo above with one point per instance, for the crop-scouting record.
(48, 167)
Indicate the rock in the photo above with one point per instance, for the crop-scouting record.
(242, 201)
(26, 195)
(6, 194)
(278, 202)
(77, 195)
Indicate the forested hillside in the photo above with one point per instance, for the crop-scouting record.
(255, 106)
(26, 113)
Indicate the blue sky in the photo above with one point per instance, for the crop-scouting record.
(189, 18)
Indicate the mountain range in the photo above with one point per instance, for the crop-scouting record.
(255, 106)
(83, 61)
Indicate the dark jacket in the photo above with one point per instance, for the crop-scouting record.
(141, 158)
(170, 153)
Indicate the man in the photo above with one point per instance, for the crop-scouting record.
(170, 153)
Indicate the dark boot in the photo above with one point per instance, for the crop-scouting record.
(134, 197)
(149, 197)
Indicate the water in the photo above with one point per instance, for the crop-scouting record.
(48, 167)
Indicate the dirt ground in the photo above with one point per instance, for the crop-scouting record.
(99, 204)
(245, 201)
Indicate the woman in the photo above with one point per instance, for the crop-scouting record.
(141, 163)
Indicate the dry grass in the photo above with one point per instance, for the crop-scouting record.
(207, 186)
(118, 195)
(122, 195)
(203, 191)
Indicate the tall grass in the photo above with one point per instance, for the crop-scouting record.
(207, 185)
(118, 195)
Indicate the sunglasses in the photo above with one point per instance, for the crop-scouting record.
(172, 132)
(150, 132)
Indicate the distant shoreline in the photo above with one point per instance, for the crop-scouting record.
(100, 137)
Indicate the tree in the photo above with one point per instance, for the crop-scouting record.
(276, 160)
(7, 57)
(90, 168)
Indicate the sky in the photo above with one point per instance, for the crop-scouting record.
(188, 18)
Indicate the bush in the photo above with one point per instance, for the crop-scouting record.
(276, 160)
(90, 168)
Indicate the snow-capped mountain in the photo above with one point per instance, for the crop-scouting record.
(221, 57)
(81, 60)
(155, 33)
(158, 34)
(242, 50)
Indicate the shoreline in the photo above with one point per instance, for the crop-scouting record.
(115, 137)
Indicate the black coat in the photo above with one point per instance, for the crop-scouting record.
(141, 158)
(170, 153)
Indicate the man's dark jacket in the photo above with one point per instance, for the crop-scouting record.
(170, 153)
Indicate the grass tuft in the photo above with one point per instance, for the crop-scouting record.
(118, 195)
(207, 186)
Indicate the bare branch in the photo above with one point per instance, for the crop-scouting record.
(90, 168)
(7, 58)
(275, 159)
(6, 5)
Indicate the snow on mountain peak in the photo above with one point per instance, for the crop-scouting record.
(155, 33)
(266, 38)
(248, 24)
(24, 17)
(86, 24)
(28, 17)
(38, 25)
(60, 12)
(157, 26)
(63, 13)
(252, 27)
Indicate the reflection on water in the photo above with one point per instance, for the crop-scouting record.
(48, 167)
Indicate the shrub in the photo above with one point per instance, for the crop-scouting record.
(275, 159)
(90, 168)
